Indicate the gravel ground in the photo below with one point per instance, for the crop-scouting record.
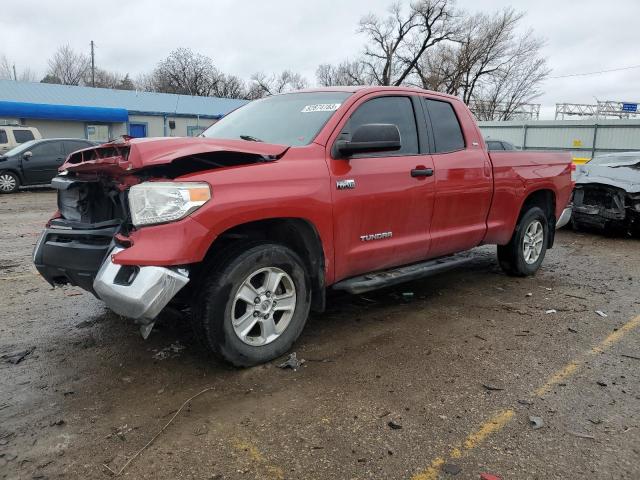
(394, 386)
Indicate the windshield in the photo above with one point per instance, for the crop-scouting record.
(607, 159)
(292, 119)
(23, 147)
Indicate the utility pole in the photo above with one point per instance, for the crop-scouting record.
(15, 77)
(93, 66)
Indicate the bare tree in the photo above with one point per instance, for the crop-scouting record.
(229, 86)
(262, 85)
(7, 71)
(396, 44)
(345, 73)
(68, 66)
(184, 72)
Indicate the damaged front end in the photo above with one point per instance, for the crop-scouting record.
(104, 199)
(606, 207)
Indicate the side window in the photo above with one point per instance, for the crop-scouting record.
(22, 136)
(446, 128)
(507, 146)
(47, 148)
(3, 137)
(395, 110)
(71, 146)
(494, 145)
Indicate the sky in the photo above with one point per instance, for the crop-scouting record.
(243, 37)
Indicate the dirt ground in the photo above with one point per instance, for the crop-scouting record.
(438, 384)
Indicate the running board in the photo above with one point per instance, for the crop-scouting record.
(394, 276)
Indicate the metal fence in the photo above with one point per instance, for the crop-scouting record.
(583, 138)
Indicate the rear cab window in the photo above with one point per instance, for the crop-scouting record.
(22, 136)
(3, 137)
(388, 109)
(445, 126)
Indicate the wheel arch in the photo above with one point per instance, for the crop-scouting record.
(299, 234)
(545, 199)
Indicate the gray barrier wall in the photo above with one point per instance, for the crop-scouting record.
(583, 138)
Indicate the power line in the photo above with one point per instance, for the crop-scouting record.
(596, 73)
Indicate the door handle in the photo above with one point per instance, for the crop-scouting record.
(422, 172)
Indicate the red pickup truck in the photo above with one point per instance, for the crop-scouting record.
(249, 224)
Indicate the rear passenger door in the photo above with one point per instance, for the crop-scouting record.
(463, 178)
(381, 212)
(43, 163)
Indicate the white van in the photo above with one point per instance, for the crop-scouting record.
(13, 135)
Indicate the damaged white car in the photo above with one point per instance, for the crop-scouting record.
(607, 194)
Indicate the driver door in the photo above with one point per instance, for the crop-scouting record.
(381, 211)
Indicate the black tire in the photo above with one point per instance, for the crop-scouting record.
(512, 255)
(9, 182)
(214, 309)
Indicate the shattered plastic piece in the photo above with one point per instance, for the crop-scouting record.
(407, 296)
(582, 435)
(451, 469)
(529, 294)
(551, 311)
(145, 330)
(292, 362)
(536, 422)
(394, 425)
(489, 476)
(601, 313)
(171, 351)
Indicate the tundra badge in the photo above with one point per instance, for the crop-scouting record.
(376, 236)
(348, 184)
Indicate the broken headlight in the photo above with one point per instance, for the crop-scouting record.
(162, 202)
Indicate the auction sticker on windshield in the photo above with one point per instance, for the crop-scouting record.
(321, 107)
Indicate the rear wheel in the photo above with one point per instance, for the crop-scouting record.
(524, 254)
(254, 304)
(9, 182)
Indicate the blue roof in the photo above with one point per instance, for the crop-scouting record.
(130, 100)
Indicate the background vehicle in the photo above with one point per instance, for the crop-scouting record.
(13, 135)
(607, 193)
(500, 145)
(36, 161)
(354, 188)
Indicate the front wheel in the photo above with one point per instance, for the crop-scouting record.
(523, 255)
(254, 304)
(9, 182)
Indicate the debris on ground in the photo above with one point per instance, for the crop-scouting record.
(582, 435)
(57, 423)
(634, 357)
(525, 402)
(553, 310)
(292, 362)
(171, 351)
(489, 476)
(572, 330)
(451, 469)
(481, 338)
(407, 296)
(536, 422)
(394, 425)
(529, 294)
(493, 388)
(16, 357)
(601, 313)
(602, 384)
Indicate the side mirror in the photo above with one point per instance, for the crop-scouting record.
(370, 138)
(27, 155)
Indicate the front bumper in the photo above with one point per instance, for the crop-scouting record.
(137, 292)
(565, 217)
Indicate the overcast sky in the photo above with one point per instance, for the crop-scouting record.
(247, 36)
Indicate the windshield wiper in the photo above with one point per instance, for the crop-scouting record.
(249, 138)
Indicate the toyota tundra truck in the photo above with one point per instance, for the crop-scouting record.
(249, 225)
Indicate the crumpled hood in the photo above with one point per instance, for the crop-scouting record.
(131, 154)
(624, 175)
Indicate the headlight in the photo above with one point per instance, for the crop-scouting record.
(161, 202)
